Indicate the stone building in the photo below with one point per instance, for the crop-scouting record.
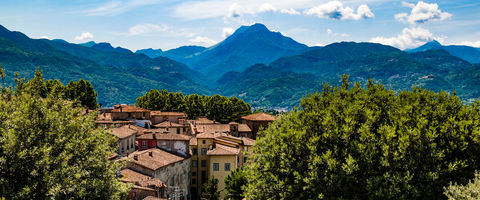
(257, 120)
(171, 142)
(176, 117)
(171, 169)
(144, 186)
(173, 127)
(126, 139)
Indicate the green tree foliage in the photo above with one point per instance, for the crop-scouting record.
(49, 150)
(36, 85)
(210, 190)
(464, 192)
(367, 143)
(235, 182)
(82, 91)
(218, 108)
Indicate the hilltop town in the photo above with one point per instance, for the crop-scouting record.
(169, 156)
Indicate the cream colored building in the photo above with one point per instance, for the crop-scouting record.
(126, 139)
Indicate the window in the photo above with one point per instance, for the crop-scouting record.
(194, 181)
(194, 163)
(227, 167)
(204, 151)
(184, 129)
(194, 173)
(194, 151)
(204, 176)
(131, 143)
(216, 166)
(173, 180)
(128, 144)
(244, 159)
(204, 163)
(178, 131)
(144, 144)
(204, 141)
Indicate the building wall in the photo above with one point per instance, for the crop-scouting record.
(176, 176)
(138, 194)
(221, 173)
(140, 169)
(180, 147)
(126, 145)
(161, 118)
(199, 178)
(148, 144)
(255, 126)
(130, 115)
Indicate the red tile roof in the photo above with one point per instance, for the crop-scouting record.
(248, 141)
(160, 113)
(123, 132)
(259, 117)
(203, 120)
(220, 150)
(164, 136)
(127, 108)
(159, 158)
(167, 124)
(130, 176)
(244, 128)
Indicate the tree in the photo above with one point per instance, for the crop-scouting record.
(464, 192)
(210, 190)
(49, 150)
(367, 143)
(83, 92)
(235, 182)
(36, 85)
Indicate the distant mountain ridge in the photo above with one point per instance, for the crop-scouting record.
(247, 46)
(470, 54)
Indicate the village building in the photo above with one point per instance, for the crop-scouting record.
(105, 121)
(170, 169)
(173, 127)
(176, 117)
(126, 139)
(171, 142)
(144, 186)
(257, 120)
(216, 154)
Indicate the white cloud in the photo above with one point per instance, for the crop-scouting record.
(290, 11)
(84, 36)
(146, 28)
(227, 32)
(331, 33)
(336, 10)
(203, 40)
(409, 38)
(117, 7)
(44, 37)
(409, 5)
(469, 43)
(266, 7)
(421, 13)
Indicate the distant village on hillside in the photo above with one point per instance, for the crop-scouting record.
(171, 157)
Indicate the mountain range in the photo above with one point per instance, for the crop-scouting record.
(265, 68)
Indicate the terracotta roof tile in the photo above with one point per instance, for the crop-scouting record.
(123, 132)
(259, 117)
(164, 136)
(248, 141)
(223, 150)
(212, 128)
(156, 112)
(127, 108)
(203, 120)
(159, 158)
(244, 128)
(130, 176)
(167, 124)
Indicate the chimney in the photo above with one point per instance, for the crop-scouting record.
(135, 157)
(150, 154)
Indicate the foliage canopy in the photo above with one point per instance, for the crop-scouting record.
(367, 143)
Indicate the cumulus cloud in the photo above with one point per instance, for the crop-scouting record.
(227, 31)
(44, 37)
(409, 38)
(146, 28)
(290, 11)
(331, 33)
(203, 40)
(84, 36)
(266, 7)
(336, 10)
(422, 12)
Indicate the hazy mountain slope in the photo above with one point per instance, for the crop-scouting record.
(248, 45)
(467, 53)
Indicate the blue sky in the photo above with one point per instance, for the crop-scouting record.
(166, 24)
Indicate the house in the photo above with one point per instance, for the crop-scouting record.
(216, 154)
(144, 186)
(105, 121)
(126, 139)
(170, 169)
(171, 142)
(173, 127)
(257, 120)
(124, 112)
(176, 117)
